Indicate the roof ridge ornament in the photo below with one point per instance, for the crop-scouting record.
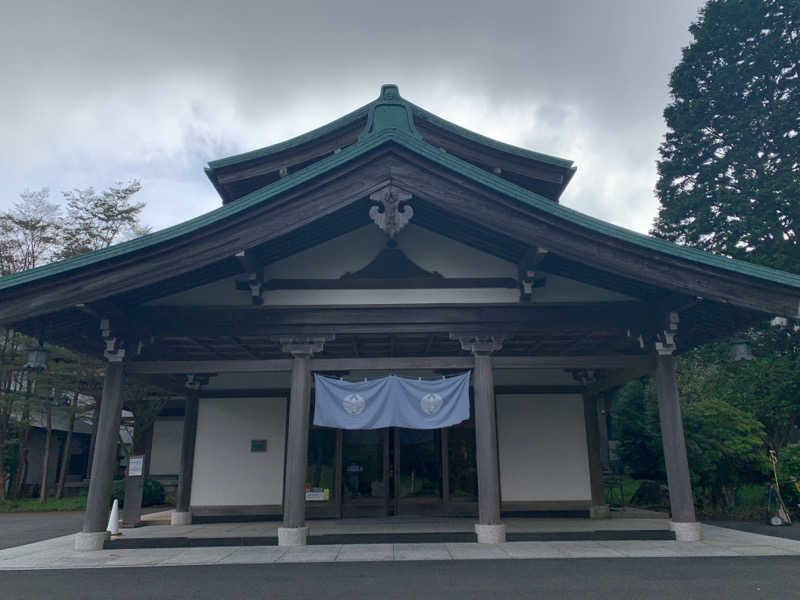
(389, 111)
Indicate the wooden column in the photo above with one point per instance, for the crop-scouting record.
(95, 518)
(294, 531)
(599, 508)
(182, 514)
(95, 421)
(681, 499)
(489, 527)
(602, 423)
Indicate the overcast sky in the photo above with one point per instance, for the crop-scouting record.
(95, 93)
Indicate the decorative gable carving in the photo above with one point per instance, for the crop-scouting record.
(391, 212)
(392, 263)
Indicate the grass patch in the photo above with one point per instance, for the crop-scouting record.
(51, 504)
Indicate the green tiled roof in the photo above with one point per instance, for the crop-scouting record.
(360, 113)
(390, 128)
(485, 141)
(291, 143)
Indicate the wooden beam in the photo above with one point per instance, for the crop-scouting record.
(622, 376)
(244, 348)
(618, 361)
(221, 240)
(183, 321)
(460, 196)
(337, 190)
(393, 283)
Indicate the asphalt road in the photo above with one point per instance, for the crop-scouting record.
(791, 532)
(669, 578)
(25, 528)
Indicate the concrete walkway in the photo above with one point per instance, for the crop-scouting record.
(398, 525)
(58, 553)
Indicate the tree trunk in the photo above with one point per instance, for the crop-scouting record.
(5, 421)
(48, 441)
(25, 425)
(62, 476)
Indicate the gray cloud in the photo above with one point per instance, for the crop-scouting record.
(98, 92)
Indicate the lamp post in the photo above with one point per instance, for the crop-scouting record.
(37, 357)
(740, 350)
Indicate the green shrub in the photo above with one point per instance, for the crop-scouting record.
(152, 492)
(789, 462)
(651, 494)
(750, 502)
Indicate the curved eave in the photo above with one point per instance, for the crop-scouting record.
(299, 140)
(443, 159)
(437, 121)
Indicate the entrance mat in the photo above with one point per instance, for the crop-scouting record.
(453, 537)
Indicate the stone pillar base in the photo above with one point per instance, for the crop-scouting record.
(490, 534)
(292, 536)
(180, 518)
(687, 532)
(601, 511)
(89, 541)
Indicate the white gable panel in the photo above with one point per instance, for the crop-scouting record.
(353, 251)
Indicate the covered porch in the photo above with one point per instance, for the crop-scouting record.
(624, 525)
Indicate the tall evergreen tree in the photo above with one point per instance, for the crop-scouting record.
(730, 164)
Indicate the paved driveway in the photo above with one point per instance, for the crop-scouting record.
(791, 532)
(23, 528)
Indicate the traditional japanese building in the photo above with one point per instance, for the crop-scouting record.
(389, 242)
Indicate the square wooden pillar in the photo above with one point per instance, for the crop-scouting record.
(95, 518)
(598, 509)
(684, 522)
(294, 531)
(489, 528)
(182, 514)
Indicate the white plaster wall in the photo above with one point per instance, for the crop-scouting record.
(226, 473)
(353, 251)
(542, 447)
(165, 456)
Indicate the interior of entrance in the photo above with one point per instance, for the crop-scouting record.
(392, 471)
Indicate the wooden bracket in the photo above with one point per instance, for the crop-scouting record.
(528, 266)
(479, 344)
(587, 377)
(304, 346)
(665, 340)
(114, 351)
(255, 276)
(195, 381)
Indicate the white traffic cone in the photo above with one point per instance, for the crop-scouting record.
(113, 519)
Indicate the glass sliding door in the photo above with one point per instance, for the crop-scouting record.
(321, 477)
(418, 471)
(462, 468)
(364, 472)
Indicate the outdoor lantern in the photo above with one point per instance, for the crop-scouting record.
(37, 357)
(740, 350)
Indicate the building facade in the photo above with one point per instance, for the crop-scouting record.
(390, 242)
